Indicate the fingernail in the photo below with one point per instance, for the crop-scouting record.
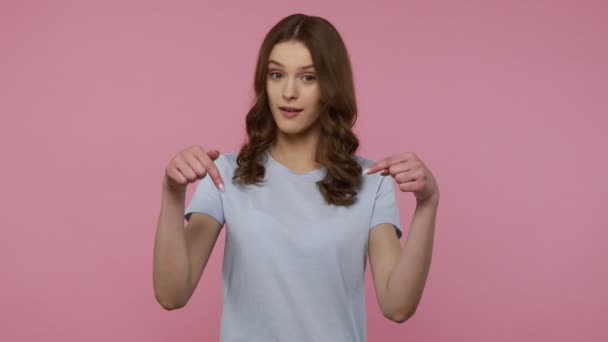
(365, 171)
(221, 187)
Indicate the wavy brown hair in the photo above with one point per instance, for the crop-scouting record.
(338, 143)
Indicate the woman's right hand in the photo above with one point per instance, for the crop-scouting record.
(190, 165)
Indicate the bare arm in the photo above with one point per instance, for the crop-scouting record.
(180, 253)
(408, 277)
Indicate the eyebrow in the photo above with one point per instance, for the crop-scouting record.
(281, 65)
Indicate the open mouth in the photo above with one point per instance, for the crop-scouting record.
(290, 112)
(290, 109)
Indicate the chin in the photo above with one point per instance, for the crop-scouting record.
(291, 129)
(288, 126)
(300, 131)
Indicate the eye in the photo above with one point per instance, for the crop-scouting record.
(274, 73)
(312, 78)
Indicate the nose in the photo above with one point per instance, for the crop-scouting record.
(289, 89)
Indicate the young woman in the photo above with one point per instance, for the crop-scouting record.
(300, 214)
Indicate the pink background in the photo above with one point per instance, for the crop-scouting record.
(505, 101)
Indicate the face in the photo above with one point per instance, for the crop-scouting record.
(292, 82)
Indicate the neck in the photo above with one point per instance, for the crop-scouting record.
(297, 153)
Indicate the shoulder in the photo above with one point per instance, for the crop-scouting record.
(228, 157)
(373, 181)
(367, 162)
(363, 161)
(226, 162)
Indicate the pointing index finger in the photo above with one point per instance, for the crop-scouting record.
(212, 170)
(383, 164)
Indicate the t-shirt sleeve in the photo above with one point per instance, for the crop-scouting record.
(207, 198)
(385, 208)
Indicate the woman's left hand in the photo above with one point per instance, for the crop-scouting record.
(411, 175)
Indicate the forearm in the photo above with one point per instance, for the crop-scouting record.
(171, 266)
(407, 280)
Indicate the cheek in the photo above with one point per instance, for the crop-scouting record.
(271, 89)
(313, 96)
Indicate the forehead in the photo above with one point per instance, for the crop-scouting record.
(291, 54)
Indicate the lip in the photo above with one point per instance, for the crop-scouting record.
(290, 114)
(286, 108)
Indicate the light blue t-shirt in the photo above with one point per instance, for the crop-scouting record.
(294, 266)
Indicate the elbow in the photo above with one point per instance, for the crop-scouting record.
(171, 298)
(401, 316)
(169, 303)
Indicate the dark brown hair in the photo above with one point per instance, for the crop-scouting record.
(338, 143)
